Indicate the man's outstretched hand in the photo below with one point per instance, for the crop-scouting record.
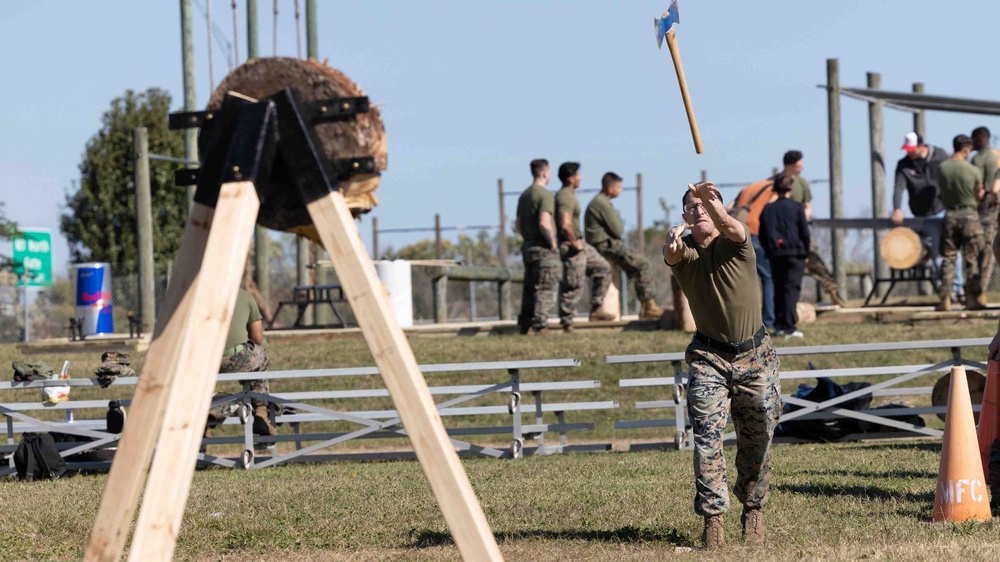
(705, 191)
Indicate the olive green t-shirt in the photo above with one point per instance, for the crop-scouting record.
(245, 313)
(986, 161)
(721, 285)
(530, 206)
(601, 222)
(566, 202)
(800, 190)
(956, 180)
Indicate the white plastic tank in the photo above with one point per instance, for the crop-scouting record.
(395, 275)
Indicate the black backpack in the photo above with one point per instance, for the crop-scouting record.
(37, 458)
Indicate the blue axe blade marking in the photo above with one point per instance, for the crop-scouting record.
(662, 26)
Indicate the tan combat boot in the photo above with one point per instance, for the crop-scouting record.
(944, 305)
(753, 525)
(261, 423)
(650, 310)
(598, 314)
(714, 536)
(979, 303)
(568, 329)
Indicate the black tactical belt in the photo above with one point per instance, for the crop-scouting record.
(734, 348)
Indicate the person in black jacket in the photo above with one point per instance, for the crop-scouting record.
(784, 234)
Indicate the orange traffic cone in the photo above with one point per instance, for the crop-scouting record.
(989, 416)
(961, 489)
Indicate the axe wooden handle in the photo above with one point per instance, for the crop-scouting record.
(676, 55)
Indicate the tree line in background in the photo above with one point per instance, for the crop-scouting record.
(99, 217)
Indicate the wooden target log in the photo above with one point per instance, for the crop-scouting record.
(902, 248)
(361, 136)
(977, 385)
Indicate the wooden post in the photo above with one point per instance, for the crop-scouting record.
(302, 275)
(704, 175)
(919, 121)
(440, 289)
(324, 276)
(131, 464)
(375, 238)
(190, 99)
(836, 168)
(196, 370)
(438, 250)
(920, 127)
(404, 381)
(144, 226)
(877, 142)
(638, 214)
(504, 286)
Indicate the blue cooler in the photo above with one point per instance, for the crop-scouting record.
(92, 287)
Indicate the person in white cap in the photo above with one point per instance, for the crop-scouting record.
(916, 173)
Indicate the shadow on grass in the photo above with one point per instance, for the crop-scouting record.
(873, 474)
(861, 492)
(922, 446)
(622, 535)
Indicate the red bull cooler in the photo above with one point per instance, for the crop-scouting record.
(92, 287)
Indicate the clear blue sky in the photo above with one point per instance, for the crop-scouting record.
(472, 91)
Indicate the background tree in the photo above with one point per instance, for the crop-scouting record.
(7, 231)
(99, 217)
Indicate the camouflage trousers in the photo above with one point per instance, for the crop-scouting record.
(634, 265)
(989, 220)
(541, 280)
(816, 268)
(577, 266)
(251, 359)
(963, 232)
(747, 383)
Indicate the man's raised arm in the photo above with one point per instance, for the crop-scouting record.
(730, 228)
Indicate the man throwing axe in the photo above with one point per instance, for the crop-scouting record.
(732, 363)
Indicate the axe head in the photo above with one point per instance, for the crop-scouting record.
(662, 25)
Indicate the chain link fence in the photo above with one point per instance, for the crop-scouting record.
(51, 308)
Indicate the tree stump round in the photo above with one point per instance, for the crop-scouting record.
(902, 248)
(977, 385)
(363, 136)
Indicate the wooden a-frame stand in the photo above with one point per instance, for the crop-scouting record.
(171, 402)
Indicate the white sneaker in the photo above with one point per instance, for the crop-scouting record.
(794, 334)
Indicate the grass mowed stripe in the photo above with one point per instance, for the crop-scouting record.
(829, 501)
(832, 501)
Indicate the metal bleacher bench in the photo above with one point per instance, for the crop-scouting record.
(812, 410)
(304, 296)
(372, 424)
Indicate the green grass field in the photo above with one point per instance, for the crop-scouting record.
(831, 501)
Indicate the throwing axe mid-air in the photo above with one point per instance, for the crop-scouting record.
(663, 27)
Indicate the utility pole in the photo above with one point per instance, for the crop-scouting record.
(919, 122)
(638, 214)
(877, 142)
(836, 168)
(144, 225)
(190, 100)
(312, 39)
(305, 248)
(260, 239)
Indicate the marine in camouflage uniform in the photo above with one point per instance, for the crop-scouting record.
(987, 160)
(244, 355)
(604, 230)
(579, 259)
(960, 185)
(541, 259)
(733, 368)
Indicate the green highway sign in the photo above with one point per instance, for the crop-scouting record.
(33, 252)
